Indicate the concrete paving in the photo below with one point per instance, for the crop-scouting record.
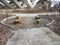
(34, 36)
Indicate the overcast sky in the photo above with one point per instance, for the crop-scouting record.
(54, 2)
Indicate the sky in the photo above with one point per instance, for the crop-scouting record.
(54, 2)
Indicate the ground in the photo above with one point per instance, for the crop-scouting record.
(5, 32)
(34, 36)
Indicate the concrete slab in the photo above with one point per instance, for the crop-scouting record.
(34, 36)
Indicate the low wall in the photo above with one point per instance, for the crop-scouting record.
(14, 11)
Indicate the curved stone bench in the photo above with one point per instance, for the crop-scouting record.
(3, 22)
